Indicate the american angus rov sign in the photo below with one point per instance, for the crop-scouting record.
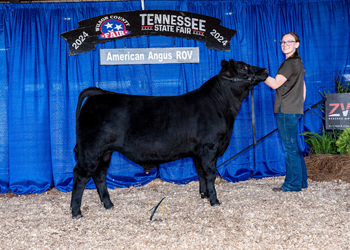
(149, 56)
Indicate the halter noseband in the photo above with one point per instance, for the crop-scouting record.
(235, 79)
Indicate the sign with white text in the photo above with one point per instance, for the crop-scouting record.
(149, 56)
(337, 111)
(129, 24)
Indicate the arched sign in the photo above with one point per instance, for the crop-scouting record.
(120, 25)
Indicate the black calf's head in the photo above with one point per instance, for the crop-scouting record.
(242, 73)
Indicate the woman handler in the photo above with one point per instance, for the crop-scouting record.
(289, 106)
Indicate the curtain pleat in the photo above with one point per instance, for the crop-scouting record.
(4, 135)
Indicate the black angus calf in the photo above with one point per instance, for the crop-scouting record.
(151, 130)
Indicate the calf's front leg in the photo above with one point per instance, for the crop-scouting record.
(202, 181)
(209, 173)
(210, 177)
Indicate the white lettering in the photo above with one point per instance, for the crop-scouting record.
(109, 56)
(168, 28)
(112, 34)
(159, 56)
(157, 18)
(180, 29)
(180, 20)
(189, 53)
(173, 20)
(194, 23)
(187, 21)
(166, 19)
(97, 28)
(125, 57)
(150, 19)
(143, 18)
(150, 56)
(202, 25)
(120, 19)
(183, 55)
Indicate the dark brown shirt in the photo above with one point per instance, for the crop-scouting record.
(290, 96)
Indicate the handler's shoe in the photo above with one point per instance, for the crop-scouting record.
(277, 190)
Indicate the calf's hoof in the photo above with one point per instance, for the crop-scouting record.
(77, 216)
(214, 204)
(204, 196)
(108, 205)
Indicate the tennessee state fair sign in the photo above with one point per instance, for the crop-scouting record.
(129, 24)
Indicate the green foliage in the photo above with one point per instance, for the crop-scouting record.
(341, 86)
(322, 144)
(343, 142)
(330, 142)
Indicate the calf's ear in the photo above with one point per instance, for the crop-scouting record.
(224, 64)
(232, 68)
(228, 68)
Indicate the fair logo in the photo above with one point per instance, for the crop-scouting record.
(113, 28)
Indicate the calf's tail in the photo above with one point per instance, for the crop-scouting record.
(86, 93)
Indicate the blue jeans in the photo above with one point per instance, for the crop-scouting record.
(296, 175)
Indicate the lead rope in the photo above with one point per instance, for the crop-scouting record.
(313, 106)
(253, 116)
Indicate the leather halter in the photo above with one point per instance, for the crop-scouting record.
(250, 78)
(235, 79)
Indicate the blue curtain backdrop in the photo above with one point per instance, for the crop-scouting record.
(40, 83)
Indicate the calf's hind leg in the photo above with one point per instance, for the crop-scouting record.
(80, 178)
(99, 178)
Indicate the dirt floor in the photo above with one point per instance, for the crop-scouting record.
(251, 215)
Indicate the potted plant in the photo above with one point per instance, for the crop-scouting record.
(330, 149)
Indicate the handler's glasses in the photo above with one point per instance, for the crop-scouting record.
(289, 43)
